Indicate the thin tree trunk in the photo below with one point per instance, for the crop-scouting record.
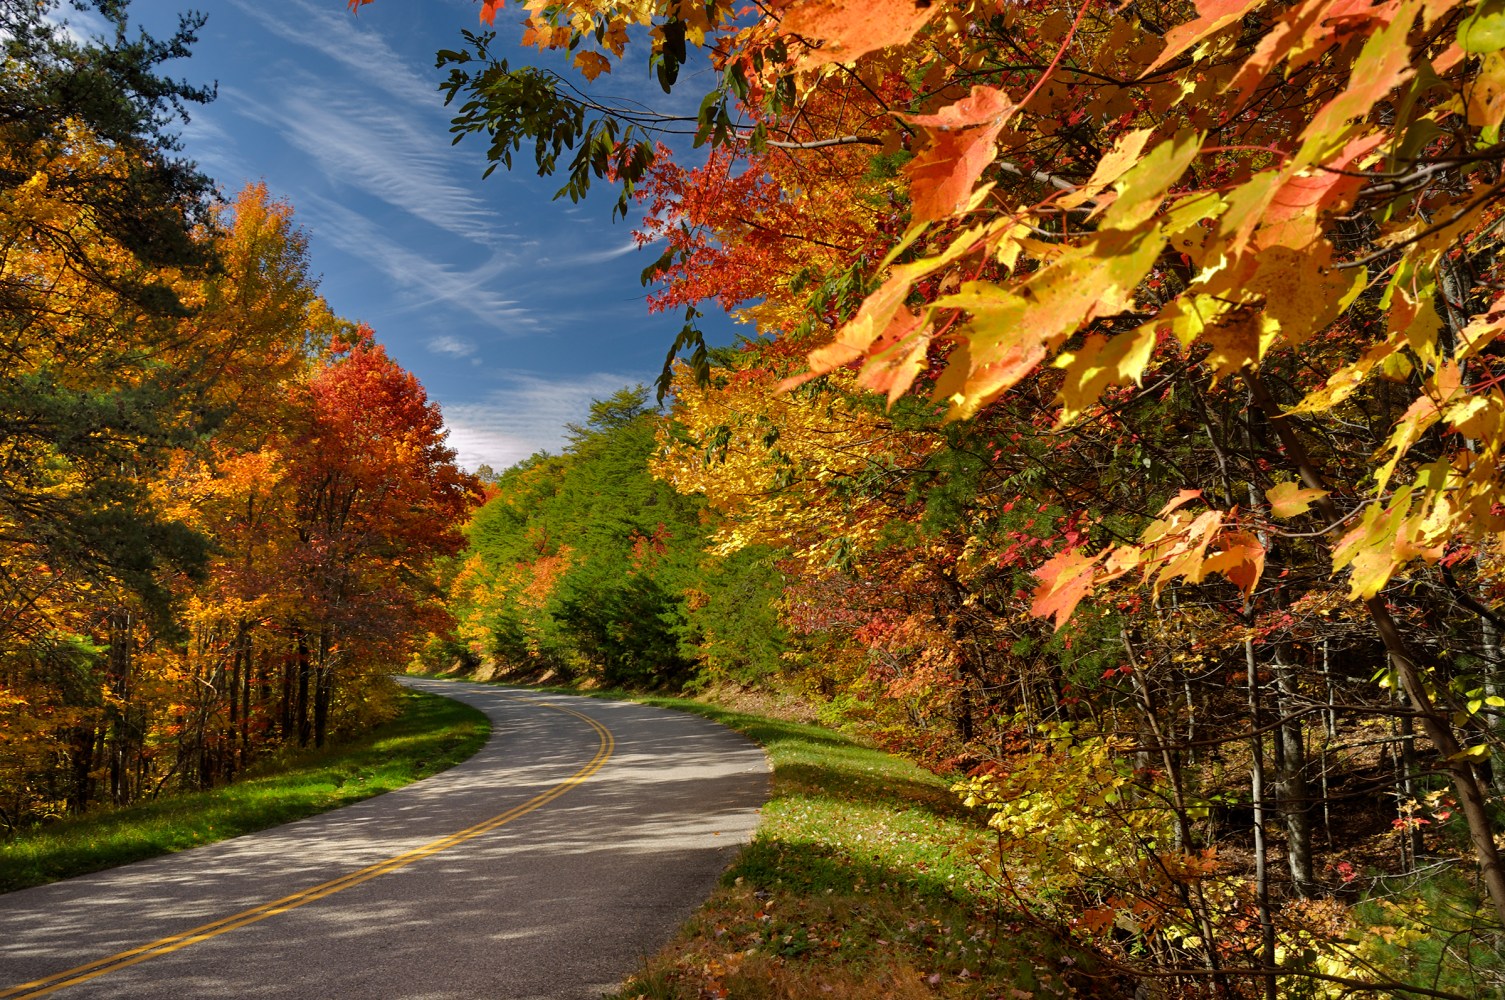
(323, 689)
(249, 649)
(287, 707)
(304, 669)
(1407, 788)
(1261, 852)
(1489, 647)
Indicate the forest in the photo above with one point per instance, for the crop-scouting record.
(219, 502)
(1117, 429)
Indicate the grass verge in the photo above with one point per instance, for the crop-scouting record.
(857, 884)
(431, 734)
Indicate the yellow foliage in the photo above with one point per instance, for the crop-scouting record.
(773, 465)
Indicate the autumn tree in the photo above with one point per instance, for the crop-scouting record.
(97, 225)
(584, 564)
(375, 498)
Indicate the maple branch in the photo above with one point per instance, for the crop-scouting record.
(1060, 54)
(1468, 600)
(841, 140)
(1055, 180)
(642, 115)
(788, 236)
(1008, 167)
(1310, 534)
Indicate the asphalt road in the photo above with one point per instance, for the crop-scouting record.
(545, 866)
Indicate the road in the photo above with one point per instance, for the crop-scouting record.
(544, 867)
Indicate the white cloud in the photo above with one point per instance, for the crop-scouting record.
(375, 123)
(452, 346)
(598, 256)
(82, 27)
(526, 416)
(211, 146)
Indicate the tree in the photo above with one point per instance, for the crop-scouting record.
(97, 229)
(584, 563)
(376, 497)
(98, 244)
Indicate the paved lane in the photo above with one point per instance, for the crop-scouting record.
(543, 867)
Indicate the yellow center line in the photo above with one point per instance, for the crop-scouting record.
(174, 942)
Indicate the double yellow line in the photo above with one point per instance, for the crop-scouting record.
(174, 942)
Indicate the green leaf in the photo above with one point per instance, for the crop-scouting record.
(1484, 30)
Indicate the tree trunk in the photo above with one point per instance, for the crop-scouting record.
(81, 788)
(1295, 793)
(304, 669)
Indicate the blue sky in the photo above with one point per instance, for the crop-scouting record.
(513, 310)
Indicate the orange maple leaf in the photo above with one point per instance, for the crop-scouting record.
(844, 30)
(961, 146)
(1064, 580)
(984, 106)
(592, 64)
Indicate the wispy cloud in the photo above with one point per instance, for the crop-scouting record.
(596, 256)
(81, 26)
(377, 124)
(382, 152)
(213, 148)
(526, 415)
(424, 282)
(334, 33)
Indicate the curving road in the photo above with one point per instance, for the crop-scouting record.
(545, 866)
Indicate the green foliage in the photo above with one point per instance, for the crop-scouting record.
(736, 632)
(589, 565)
(1436, 931)
(513, 106)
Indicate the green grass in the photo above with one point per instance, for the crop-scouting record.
(431, 734)
(858, 883)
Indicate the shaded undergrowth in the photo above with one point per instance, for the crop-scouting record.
(431, 734)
